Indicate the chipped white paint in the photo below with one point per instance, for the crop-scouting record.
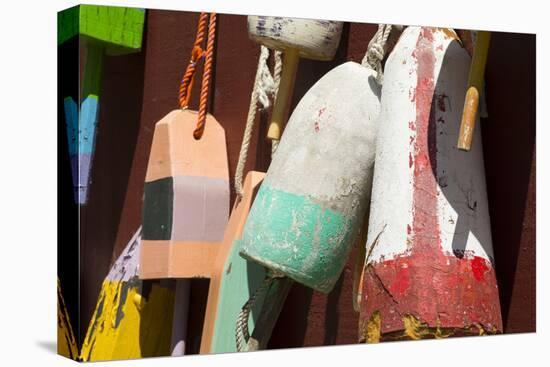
(310, 206)
(462, 207)
(391, 198)
(327, 150)
(316, 39)
(126, 267)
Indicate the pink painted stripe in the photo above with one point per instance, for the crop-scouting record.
(201, 208)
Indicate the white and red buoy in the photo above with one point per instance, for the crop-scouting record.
(429, 270)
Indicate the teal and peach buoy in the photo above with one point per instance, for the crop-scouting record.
(309, 208)
(102, 30)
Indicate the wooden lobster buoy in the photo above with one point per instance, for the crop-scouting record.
(185, 207)
(186, 194)
(102, 30)
(430, 270)
(309, 208)
(307, 38)
(186, 198)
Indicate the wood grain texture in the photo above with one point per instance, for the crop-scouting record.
(119, 29)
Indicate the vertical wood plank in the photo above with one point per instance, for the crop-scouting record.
(511, 183)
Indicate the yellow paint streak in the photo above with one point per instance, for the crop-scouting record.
(374, 328)
(415, 329)
(143, 329)
(66, 342)
(412, 326)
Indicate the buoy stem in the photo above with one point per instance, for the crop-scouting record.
(475, 85)
(282, 101)
(181, 310)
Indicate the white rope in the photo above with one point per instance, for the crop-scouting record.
(277, 79)
(265, 87)
(277, 71)
(242, 333)
(376, 50)
(241, 325)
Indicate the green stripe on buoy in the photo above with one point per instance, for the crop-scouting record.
(298, 237)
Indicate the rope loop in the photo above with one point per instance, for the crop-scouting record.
(197, 54)
(264, 89)
(242, 334)
(376, 51)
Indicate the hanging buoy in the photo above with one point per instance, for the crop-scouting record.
(102, 30)
(430, 268)
(186, 198)
(307, 38)
(186, 193)
(309, 208)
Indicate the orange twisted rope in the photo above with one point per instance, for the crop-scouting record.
(196, 54)
(206, 77)
(188, 78)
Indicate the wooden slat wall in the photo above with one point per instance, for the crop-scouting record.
(509, 146)
(149, 80)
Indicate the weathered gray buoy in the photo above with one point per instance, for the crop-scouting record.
(314, 196)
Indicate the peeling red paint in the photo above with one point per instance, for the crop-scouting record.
(317, 126)
(479, 267)
(438, 288)
(401, 282)
(421, 163)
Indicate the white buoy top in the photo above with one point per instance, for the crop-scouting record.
(315, 39)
